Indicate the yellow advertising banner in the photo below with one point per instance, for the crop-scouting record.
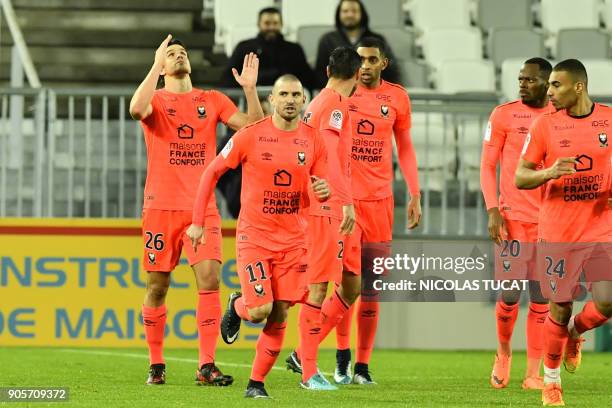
(75, 282)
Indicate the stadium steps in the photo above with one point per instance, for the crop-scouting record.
(112, 42)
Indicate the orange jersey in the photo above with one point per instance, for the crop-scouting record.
(375, 114)
(181, 139)
(276, 168)
(503, 141)
(574, 207)
(328, 111)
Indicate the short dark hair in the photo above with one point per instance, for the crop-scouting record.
(374, 42)
(543, 65)
(575, 68)
(269, 10)
(176, 41)
(344, 62)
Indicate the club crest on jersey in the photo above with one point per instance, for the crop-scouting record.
(259, 290)
(307, 117)
(301, 158)
(553, 286)
(201, 111)
(506, 263)
(603, 140)
(151, 257)
(384, 111)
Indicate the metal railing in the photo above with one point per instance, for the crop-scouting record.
(83, 156)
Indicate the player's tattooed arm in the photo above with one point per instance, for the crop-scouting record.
(527, 177)
(247, 79)
(140, 105)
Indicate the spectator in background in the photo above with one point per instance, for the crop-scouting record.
(276, 56)
(352, 24)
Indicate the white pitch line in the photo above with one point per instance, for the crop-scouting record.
(177, 359)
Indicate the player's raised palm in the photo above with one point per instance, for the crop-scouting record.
(248, 77)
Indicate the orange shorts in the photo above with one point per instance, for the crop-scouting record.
(374, 224)
(164, 235)
(267, 276)
(325, 250)
(515, 257)
(560, 266)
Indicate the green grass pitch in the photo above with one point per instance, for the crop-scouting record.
(115, 378)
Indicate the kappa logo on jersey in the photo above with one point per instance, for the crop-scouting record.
(301, 158)
(565, 143)
(583, 163)
(201, 111)
(335, 119)
(151, 257)
(228, 148)
(384, 111)
(365, 127)
(185, 131)
(282, 178)
(603, 140)
(307, 117)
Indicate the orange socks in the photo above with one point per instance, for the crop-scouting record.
(367, 322)
(268, 347)
(154, 320)
(310, 330)
(555, 338)
(535, 326)
(332, 311)
(343, 330)
(506, 317)
(589, 318)
(208, 317)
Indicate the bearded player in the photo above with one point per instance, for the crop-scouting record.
(179, 123)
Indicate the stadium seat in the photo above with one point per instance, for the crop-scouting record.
(503, 13)
(450, 44)
(607, 13)
(434, 142)
(599, 72)
(455, 76)
(401, 40)
(582, 43)
(308, 37)
(236, 34)
(509, 77)
(297, 13)
(434, 14)
(414, 74)
(236, 13)
(386, 13)
(505, 43)
(560, 14)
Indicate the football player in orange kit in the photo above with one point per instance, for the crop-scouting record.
(280, 155)
(574, 219)
(379, 113)
(179, 123)
(513, 219)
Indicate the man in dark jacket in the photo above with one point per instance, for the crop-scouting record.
(276, 56)
(352, 24)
